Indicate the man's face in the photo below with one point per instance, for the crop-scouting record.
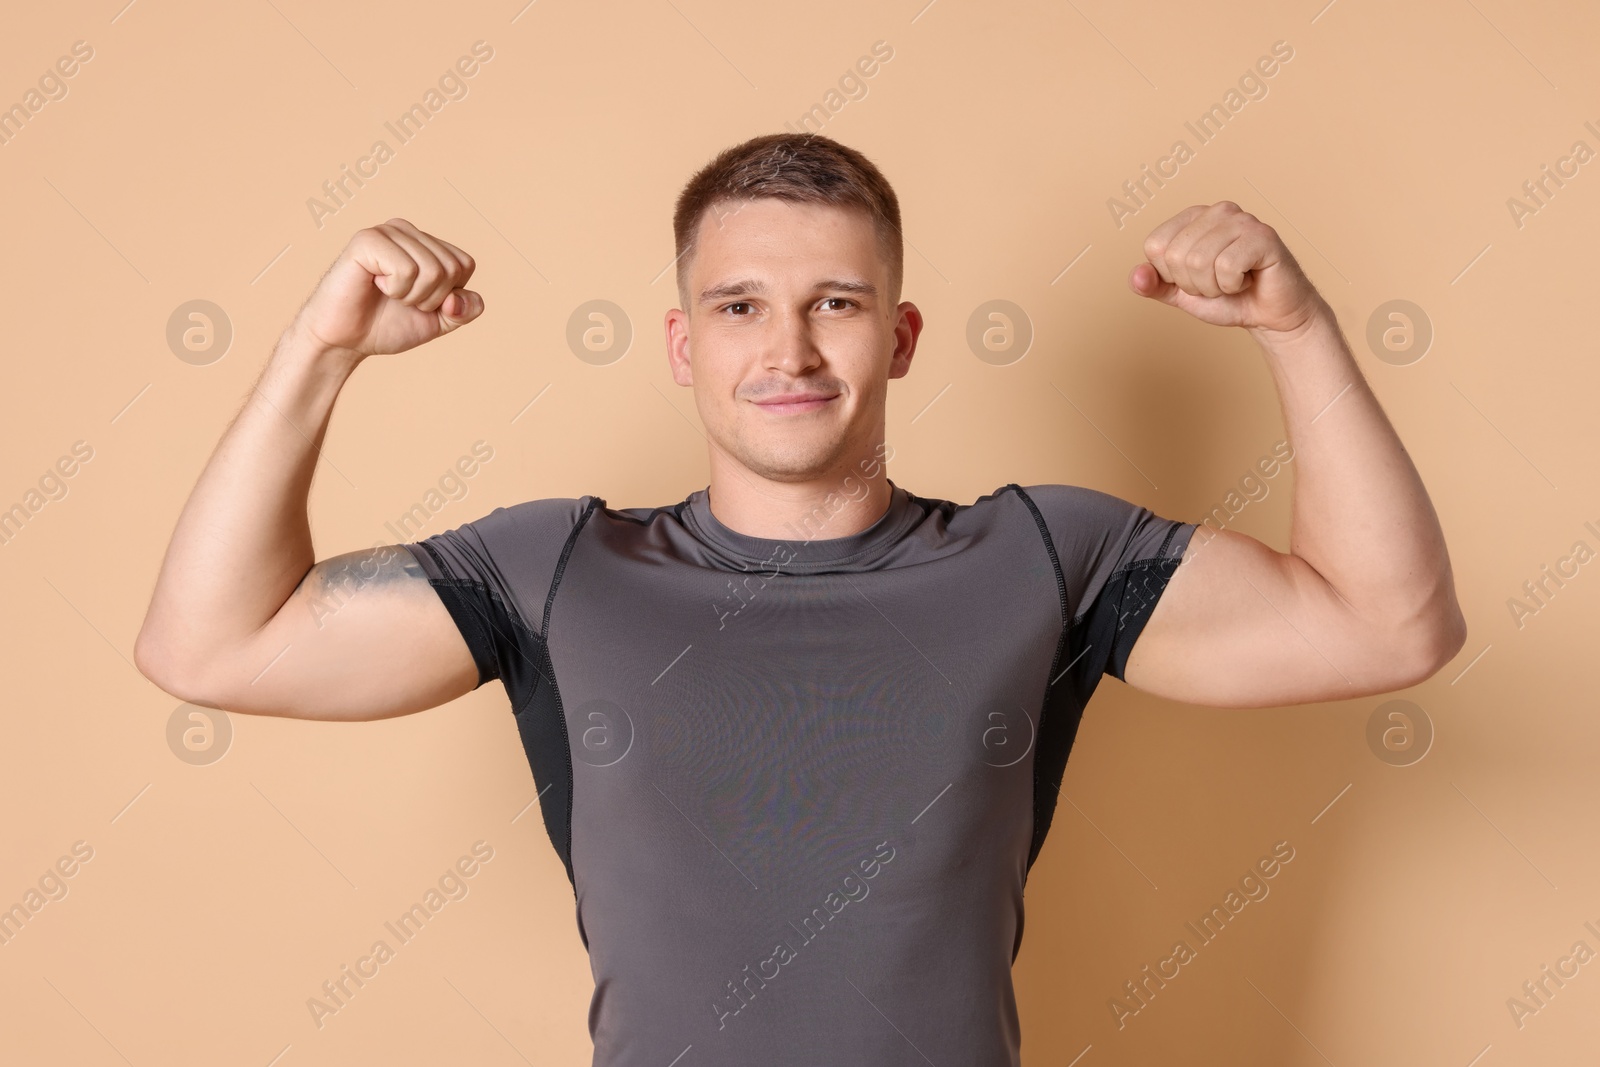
(790, 300)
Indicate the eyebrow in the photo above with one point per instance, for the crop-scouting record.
(753, 287)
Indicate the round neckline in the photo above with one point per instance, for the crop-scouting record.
(798, 554)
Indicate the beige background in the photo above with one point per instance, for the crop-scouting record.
(178, 166)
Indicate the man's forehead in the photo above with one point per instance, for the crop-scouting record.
(755, 233)
(761, 214)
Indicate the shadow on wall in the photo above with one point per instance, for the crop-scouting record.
(1173, 911)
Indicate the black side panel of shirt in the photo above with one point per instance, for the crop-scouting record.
(1097, 642)
(505, 647)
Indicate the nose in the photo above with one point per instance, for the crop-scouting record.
(790, 346)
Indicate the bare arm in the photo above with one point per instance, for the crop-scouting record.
(242, 616)
(1364, 601)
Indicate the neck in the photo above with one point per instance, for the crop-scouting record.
(842, 502)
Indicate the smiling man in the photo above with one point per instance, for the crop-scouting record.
(797, 738)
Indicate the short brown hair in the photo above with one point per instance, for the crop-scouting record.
(799, 167)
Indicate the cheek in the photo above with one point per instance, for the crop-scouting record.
(716, 397)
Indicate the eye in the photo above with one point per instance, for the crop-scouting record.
(841, 299)
(736, 304)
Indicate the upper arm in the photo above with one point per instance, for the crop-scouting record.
(363, 636)
(1240, 624)
(401, 628)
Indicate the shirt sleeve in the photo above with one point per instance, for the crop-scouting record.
(494, 575)
(1115, 558)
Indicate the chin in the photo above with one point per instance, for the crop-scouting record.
(799, 460)
(787, 472)
(790, 466)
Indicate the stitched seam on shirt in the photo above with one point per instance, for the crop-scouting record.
(735, 555)
(1050, 547)
(1061, 643)
(1171, 533)
(561, 715)
(561, 564)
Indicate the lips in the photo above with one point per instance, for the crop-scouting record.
(795, 402)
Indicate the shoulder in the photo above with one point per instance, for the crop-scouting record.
(1060, 500)
(523, 539)
(1057, 510)
(1097, 529)
(539, 520)
(513, 553)
(1076, 510)
(551, 510)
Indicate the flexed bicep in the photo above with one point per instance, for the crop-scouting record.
(1243, 625)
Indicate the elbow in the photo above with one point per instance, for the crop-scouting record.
(1426, 643)
(145, 656)
(1449, 630)
(153, 658)
(150, 662)
(1426, 634)
(1455, 635)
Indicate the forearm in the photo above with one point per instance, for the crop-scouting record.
(1361, 516)
(243, 539)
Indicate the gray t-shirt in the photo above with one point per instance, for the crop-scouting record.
(797, 785)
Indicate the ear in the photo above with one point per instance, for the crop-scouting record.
(676, 324)
(908, 327)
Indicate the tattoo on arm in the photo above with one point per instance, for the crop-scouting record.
(332, 583)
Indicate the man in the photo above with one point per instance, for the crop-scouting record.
(798, 738)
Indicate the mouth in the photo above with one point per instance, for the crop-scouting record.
(795, 404)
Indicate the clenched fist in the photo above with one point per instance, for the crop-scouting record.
(1224, 266)
(392, 288)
